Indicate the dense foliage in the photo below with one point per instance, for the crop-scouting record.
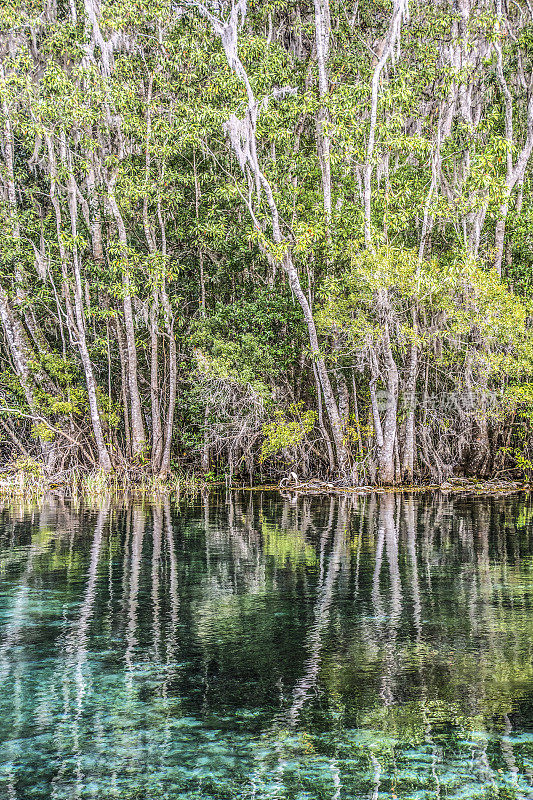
(252, 240)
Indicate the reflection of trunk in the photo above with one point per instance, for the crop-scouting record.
(388, 507)
(388, 524)
(361, 507)
(136, 554)
(77, 640)
(173, 593)
(377, 603)
(321, 617)
(12, 631)
(507, 750)
(76, 650)
(80, 630)
(325, 538)
(156, 559)
(410, 525)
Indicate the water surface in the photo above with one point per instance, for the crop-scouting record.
(249, 646)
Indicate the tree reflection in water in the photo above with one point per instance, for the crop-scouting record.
(247, 645)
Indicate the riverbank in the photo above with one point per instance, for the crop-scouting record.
(453, 485)
(29, 480)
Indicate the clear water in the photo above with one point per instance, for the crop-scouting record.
(247, 646)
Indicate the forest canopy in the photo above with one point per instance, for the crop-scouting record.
(248, 239)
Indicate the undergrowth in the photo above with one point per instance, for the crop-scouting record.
(26, 478)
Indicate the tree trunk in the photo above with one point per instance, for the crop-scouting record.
(157, 433)
(322, 36)
(342, 393)
(387, 471)
(103, 455)
(228, 32)
(122, 349)
(172, 388)
(408, 458)
(22, 358)
(337, 428)
(356, 417)
(138, 438)
(200, 251)
(205, 448)
(384, 50)
(323, 429)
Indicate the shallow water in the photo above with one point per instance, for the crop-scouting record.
(247, 646)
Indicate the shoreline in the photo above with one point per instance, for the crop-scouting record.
(490, 487)
(19, 484)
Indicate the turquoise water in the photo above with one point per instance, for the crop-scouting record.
(250, 646)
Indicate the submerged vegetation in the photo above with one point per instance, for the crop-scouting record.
(243, 240)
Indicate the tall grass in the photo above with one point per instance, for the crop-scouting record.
(26, 479)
